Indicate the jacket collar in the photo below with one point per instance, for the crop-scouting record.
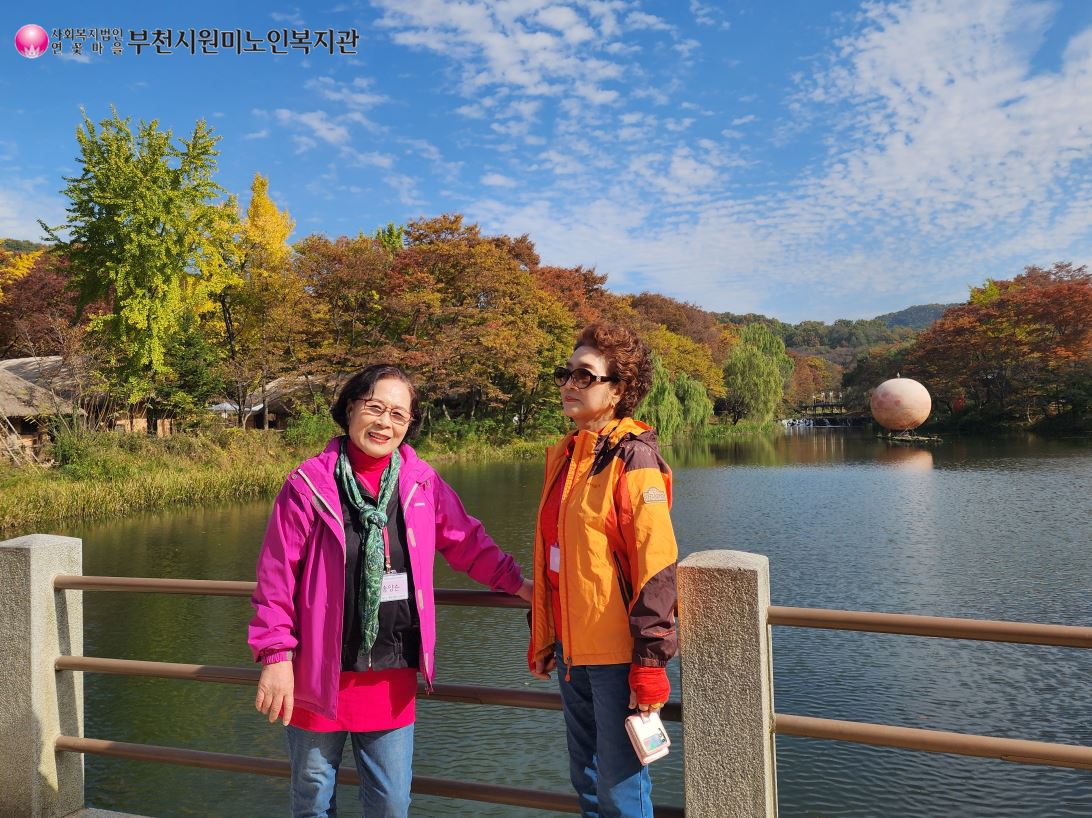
(319, 471)
(610, 436)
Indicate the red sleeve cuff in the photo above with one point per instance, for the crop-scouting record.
(650, 684)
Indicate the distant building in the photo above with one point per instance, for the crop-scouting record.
(281, 399)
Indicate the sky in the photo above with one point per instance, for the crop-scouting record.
(816, 159)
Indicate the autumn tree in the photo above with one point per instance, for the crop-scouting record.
(582, 293)
(811, 376)
(13, 266)
(37, 309)
(262, 311)
(682, 355)
(143, 235)
(1016, 348)
(490, 334)
(368, 305)
(690, 321)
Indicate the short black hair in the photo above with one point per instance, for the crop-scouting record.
(362, 384)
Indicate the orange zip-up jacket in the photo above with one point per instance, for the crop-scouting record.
(618, 552)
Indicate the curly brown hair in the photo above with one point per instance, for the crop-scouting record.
(628, 359)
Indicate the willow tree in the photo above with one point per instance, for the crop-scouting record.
(144, 235)
(694, 401)
(756, 374)
(661, 408)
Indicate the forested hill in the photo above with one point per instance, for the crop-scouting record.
(20, 246)
(916, 318)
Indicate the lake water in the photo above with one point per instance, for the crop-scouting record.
(993, 529)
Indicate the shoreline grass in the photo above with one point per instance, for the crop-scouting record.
(99, 476)
(108, 475)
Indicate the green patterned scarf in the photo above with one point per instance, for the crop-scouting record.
(371, 519)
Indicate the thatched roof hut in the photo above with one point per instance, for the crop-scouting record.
(51, 372)
(19, 398)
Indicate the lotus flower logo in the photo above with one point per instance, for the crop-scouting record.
(31, 41)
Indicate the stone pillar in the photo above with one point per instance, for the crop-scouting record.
(38, 703)
(727, 686)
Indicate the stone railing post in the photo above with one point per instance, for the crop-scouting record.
(37, 703)
(727, 686)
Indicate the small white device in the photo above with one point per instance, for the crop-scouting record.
(649, 738)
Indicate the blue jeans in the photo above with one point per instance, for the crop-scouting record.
(609, 780)
(384, 759)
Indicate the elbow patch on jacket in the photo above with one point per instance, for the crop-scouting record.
(652, 619)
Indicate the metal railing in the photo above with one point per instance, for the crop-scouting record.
(935, 741)
(422, 785)
(1015, 750)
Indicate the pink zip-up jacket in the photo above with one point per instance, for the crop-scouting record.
(300, 598)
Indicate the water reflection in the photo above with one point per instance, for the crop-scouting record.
(908, 457)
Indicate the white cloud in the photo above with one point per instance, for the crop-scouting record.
(355, 94)
(406, 188)
(317, 122)
(640, 20)
(497, 180)
(303, 143)
(522, 47)
(23, 202)
(262, 134)
(743, 120)
(566, 21)
(368, 159)
(950, 132)
(706, 14)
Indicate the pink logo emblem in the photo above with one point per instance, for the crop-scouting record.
(31, 41)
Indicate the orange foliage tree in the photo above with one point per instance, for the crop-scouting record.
(1019, 348)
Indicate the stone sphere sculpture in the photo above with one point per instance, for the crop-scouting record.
(901, 404)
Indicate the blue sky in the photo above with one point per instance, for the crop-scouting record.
(801, 159)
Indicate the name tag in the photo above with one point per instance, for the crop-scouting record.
(555, 558)
(395, 587)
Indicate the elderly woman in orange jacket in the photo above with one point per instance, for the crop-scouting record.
(604, 599)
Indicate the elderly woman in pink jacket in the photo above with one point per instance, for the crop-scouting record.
(344, 611)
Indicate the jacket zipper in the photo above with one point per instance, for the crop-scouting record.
(566, 495)
(409, 536)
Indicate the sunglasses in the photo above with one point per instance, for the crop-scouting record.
(580, 377)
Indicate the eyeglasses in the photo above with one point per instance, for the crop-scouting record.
(580, 377)
(375, 409)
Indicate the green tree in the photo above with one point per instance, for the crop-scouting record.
(144, 235)
(391, 238)
(756, 374)
(661, 408)
(694, 401)
(194, 372)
